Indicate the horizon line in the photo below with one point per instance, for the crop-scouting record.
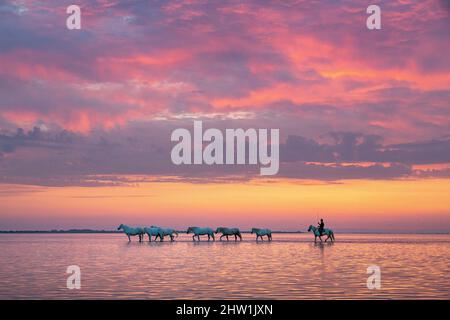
(86, 231)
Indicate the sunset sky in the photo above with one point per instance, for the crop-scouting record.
(86, 115)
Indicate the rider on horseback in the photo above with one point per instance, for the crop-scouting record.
(321, 226)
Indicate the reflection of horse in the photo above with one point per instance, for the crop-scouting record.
(229, 232)
(201, 231)
(328, 232)
(154, 231)
(261, 233)
(166, 232)
(129, 231)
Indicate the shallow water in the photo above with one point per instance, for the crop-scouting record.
(290, 267)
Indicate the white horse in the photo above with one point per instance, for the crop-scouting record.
(166, 232)
(229, 232)
(261, 233)
(129, 231)
(201, 231)
(154, 231)
(328, 232)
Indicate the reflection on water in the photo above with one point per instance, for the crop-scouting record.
(290, 267)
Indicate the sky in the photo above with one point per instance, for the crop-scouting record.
(86, 115)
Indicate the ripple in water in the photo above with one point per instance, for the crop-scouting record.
(291, 267)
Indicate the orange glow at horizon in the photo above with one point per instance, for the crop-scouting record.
(282, 205)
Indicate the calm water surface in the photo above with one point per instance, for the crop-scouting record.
(291, 267)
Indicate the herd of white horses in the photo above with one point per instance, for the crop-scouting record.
(158, 232)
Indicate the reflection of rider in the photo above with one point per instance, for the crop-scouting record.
(321, 226)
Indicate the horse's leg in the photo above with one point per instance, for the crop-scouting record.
(220, 239)
(315, 238)
(129, 239)
(227, 238)
(193, 238)
(320, 237)
(235, 238)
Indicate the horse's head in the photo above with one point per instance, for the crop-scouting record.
(120, 227)
(154, 227)
(253, 230)
(219, 229)
(310, 227)
(189, 230)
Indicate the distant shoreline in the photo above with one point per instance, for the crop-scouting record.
(90, 231)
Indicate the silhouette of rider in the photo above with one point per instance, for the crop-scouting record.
(321, 226)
